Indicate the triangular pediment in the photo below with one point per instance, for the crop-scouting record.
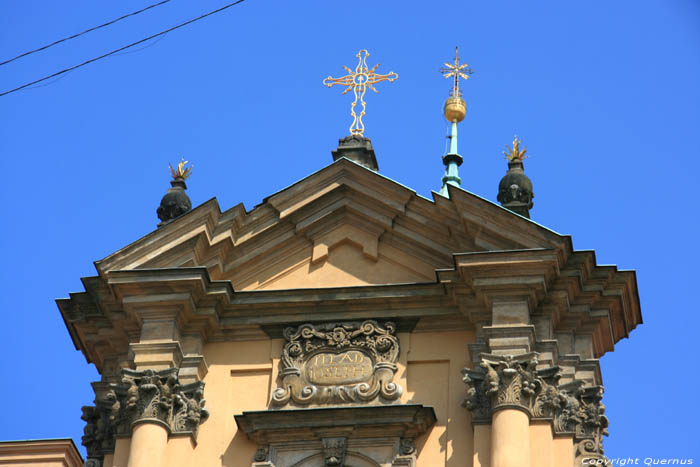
(344, 225)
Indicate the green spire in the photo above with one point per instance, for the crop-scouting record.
(452, 161)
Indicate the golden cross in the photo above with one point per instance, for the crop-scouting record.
(457, 71)
(359, 80)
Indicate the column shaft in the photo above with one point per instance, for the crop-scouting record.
(510, 439)
(148, 444)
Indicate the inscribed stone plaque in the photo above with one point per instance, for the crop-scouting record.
(348, 367)
(338, 363)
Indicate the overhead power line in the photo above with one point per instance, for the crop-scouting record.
(66, 70)
(84, 32)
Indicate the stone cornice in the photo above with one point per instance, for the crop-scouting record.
(106, 318)
(47, 451)
(405, 421)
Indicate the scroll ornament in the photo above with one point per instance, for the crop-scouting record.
(365, 353)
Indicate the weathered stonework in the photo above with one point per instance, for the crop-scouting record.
(515, 382)
(99, 431)
(142, 396)
(336, 436)
(502, 382)
(338, 363)
(334, 451)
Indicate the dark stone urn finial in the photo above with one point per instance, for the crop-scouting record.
(175, 202)
(357, 148)
(515, 189)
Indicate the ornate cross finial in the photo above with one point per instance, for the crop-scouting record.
(359, 80)
(515, 153)
(182, 171)
(457, 71)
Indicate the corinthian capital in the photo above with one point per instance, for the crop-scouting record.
(515, 382)
(503, 381)
(158, 396)
(148, 395)
(98, 437)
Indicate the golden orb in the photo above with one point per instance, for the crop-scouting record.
(455, 109)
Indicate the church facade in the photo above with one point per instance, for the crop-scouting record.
(347, 320)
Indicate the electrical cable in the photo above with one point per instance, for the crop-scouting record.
(84, 32)
(66, 70)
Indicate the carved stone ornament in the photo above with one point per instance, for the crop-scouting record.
(262, 453)
(504, 382)
(334, 451)
(351, 362)
(98, 434)
(407, 447)
(151, 395)
(515, 382)
(158, 395)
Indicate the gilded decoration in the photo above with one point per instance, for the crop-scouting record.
(349, 362)
(507, 381)
(148, 395)
(359, 81)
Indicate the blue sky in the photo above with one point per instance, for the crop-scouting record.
(604, 94)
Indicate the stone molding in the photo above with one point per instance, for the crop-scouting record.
(372, 344)
(386, 433)
(515, 382)
(146, 396)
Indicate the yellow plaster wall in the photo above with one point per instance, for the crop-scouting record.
(482, 446)
(121, 453)
(433, 377)
(179, 450)
(242, 376)
(345, 265)
(563, 451)
(541, 439)
(238, 380)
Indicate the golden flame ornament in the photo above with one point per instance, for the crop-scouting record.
(182, 171)
(359, 81)
(515, 153)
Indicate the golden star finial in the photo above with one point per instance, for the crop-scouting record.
(182, 171)
(456, 71)
(515, 153)
(359, 80)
